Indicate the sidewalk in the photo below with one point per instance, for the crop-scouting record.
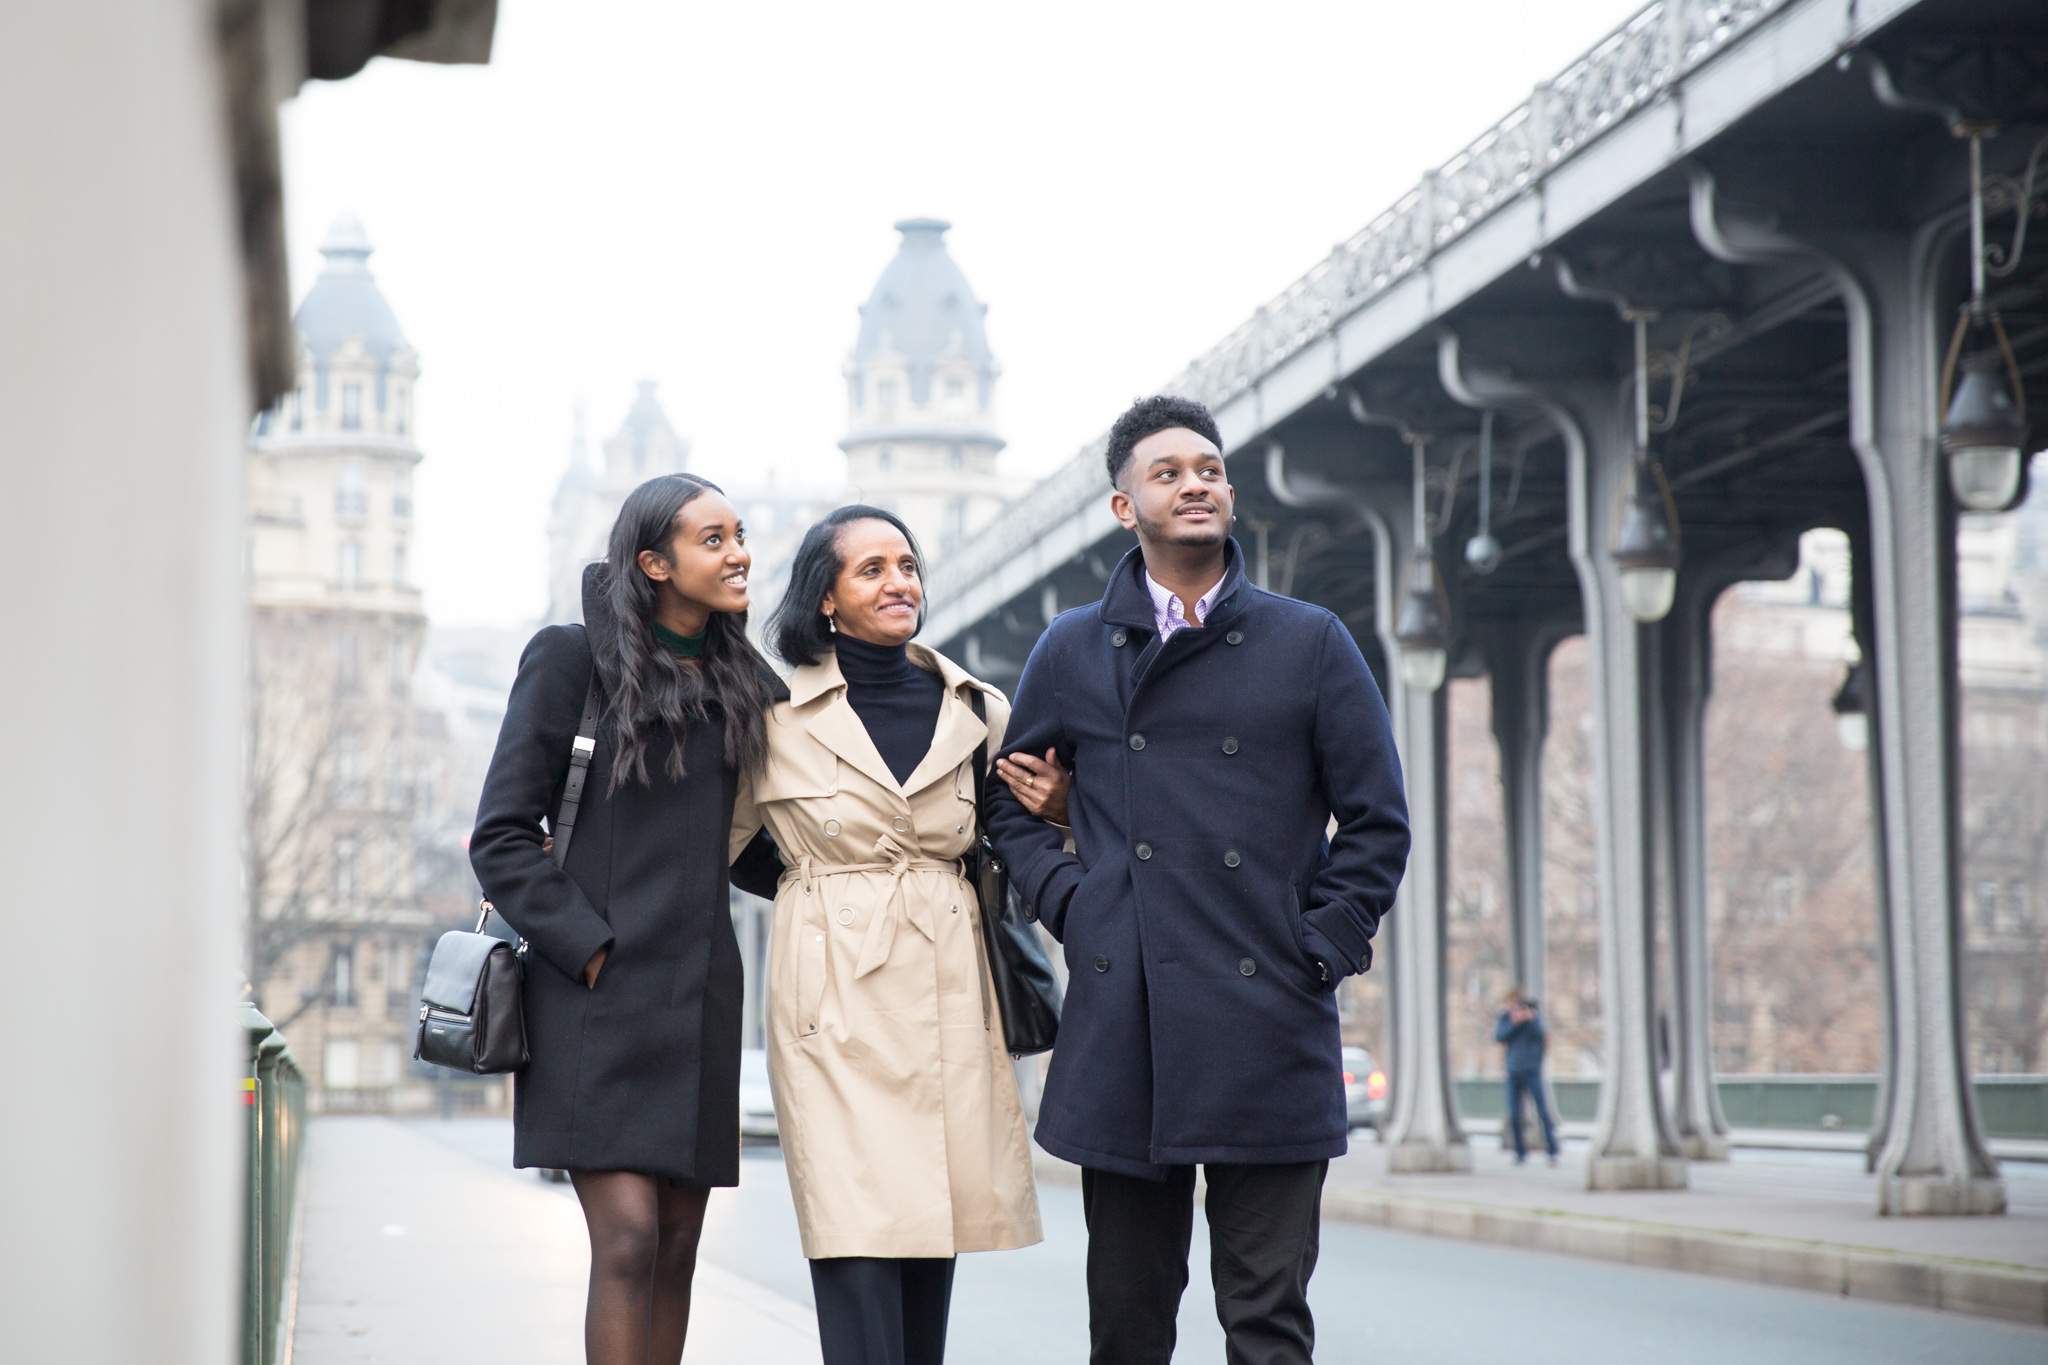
(1799, 1220)
(416, 1254)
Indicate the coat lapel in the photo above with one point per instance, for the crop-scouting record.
(817, 696)
(959, 732)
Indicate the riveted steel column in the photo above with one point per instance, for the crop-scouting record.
(1863, 624)
(1423, 1132)
(1633, 1145)
(1934, 1160)
(1518, 663)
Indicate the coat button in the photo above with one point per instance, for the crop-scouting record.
(1232, 858)
(1230, 745)
(1247, 966)
(1101, 964)
(832, 828)
(1137, 741)
(846, 914)
(1144, 852)
(1365, 963)
(900, 824)
(1236, 637)
(1118, 638)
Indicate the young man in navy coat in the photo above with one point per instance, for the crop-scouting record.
(1213, 731)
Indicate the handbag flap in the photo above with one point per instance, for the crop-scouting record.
(457, 968)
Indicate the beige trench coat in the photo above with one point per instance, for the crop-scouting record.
(899, 1115)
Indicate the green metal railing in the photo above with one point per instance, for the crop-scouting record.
(2007, 1106)
(274, 1094)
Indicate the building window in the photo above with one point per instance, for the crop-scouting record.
(857, 390)
(955, 529)
(956, 394)
(401, 493)
(351, 407)
(955, 458)
(348, 790)
(885, 396)
(885, 460)
(351, 491)
(401, 403)
(398, 566)
(345, 880)
(349, 563)
(401, 673)
(298, 409)
(348, 664)
(343, 1070)
(397, 791)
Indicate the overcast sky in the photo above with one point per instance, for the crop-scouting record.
(702, 195)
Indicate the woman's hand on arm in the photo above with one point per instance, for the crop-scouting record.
(1039, 784)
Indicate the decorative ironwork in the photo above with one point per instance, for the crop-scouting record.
(1638, 62)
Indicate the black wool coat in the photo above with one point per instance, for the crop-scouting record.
(641, 1073)
(1205, 916)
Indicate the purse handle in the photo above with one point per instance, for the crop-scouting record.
(563, 827)
(980, 759)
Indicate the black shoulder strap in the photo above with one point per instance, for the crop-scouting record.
(980, 751)
(563, 827)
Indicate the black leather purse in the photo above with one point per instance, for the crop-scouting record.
(1028, 993)
(471, 1016)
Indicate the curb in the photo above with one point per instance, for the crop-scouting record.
(1988, 1289)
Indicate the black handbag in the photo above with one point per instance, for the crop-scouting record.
(471, 1017)
(1028, 994)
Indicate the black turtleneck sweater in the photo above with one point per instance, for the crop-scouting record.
(896, 700)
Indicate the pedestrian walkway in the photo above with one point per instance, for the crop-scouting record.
(1799, 1220)
(416, 1253)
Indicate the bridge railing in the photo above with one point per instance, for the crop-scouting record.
(2007, 1106)
(274, 1096)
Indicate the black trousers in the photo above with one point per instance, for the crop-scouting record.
(877, 1310)
(1264, 1224)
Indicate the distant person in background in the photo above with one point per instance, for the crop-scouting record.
(1520, 1030)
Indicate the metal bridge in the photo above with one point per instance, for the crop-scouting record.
(1779, 193)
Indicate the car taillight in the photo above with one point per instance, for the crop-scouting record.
(1350, 1079)
(1376, 1085)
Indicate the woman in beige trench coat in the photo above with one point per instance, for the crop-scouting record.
(900, 1121)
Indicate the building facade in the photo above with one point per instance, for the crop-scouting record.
(921, 396)
(587, 500)
(335, 928)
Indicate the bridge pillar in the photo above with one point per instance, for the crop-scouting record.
(1423, 1134)
(1864, 626)
(1518, 668)
(1633, 1145)
(1934, 1160)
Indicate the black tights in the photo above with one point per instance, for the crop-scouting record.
(643, 1252)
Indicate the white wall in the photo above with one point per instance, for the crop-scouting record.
(122, 412)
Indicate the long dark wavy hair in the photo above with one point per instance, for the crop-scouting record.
(799, 629)
(647, 687)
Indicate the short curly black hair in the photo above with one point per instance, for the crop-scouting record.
(1160, 412)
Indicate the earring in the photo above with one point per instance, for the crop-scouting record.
(830, 624)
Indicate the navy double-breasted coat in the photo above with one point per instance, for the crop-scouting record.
(1206, 917)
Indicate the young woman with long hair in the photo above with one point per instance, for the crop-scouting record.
(633, 978)
(901, 1126)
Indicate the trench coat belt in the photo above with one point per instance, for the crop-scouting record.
(881, 935)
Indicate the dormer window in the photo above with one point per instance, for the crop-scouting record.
(858, 390)
(885, 396)
(401, 493)
(956, 395)
(351, 407)
(401, 403)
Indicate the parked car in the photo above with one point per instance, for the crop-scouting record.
(1365, 1089)
(757, 1101)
